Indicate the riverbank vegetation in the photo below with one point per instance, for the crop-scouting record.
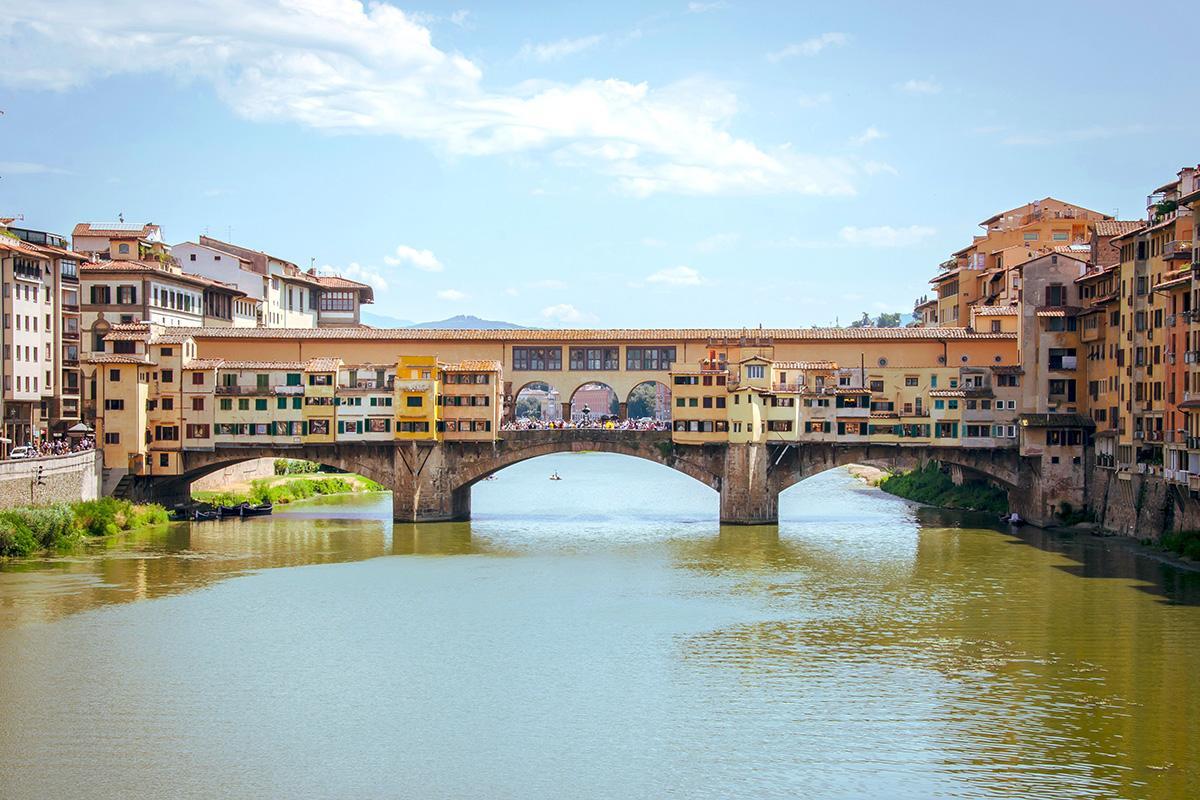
(1185, 543)
(932, 486)
(61, 526)
(289, 488)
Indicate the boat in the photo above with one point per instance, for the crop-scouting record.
(555, 477)
(194, 514)
(256, 511)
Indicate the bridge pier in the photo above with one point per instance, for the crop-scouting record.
(747, 495)
(426, 486)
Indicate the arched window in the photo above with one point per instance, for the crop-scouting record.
(123, 249)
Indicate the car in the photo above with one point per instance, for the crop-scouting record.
(22, 452)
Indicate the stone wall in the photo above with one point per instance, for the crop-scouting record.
(1141, 506)
(235, 473)
(67, 479)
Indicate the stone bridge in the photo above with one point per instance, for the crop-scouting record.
(432, 481)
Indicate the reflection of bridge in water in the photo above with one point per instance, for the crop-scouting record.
(431, 481)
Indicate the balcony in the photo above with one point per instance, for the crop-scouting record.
(1177, 250)
(287, 391)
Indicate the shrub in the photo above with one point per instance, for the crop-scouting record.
(930, 485)
(1185, 543)
(294, 466)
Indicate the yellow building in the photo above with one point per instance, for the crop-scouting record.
(417, 389)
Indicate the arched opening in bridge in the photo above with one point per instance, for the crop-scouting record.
(614, 494)
(649, 400)
(592, 402)
(538, 401)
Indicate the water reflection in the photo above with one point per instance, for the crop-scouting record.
(861, 648)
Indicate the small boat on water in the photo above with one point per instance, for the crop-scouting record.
(194, 514)
(555, 477)
(246, 510)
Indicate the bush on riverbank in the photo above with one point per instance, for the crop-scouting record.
(1185, 543)
(24, 531)
(932, 486)
(283, 492)
(295, 466)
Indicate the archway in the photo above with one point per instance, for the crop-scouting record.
(649, 400)
(593, 401)
(537, 401)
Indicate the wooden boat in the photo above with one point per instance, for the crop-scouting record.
(257, 511)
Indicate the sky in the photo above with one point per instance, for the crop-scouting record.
(683, 164)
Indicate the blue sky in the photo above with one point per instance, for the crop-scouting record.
(617, 164)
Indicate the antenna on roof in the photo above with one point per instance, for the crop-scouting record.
(120, 216)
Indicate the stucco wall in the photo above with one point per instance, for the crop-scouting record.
(67, 479)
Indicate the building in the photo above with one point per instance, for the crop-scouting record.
(290, 297)
(40, 336)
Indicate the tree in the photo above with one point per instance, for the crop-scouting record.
(642, 400)
(528, 407)
(888, 320)
(865, 322)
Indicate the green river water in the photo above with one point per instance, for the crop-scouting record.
(601, 637)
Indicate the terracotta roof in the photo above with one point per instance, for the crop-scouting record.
(947, 392)
(884, 415)
(126, 336)
(118, 358)
(663, 335)
(851, 390)
(265, 365)
(1116, 227)
(1007, 369)
(322, 364)
(1058, 311)
(143, 267)
(19, 246)
(473, 365)
(113, 229)
(170, 338)
(203, 363)
(995, 311)
(821, 365)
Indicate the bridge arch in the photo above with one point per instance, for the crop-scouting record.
(544, 395)
(1000, 467)
(650, 398)
(600, 398)
(705, 467)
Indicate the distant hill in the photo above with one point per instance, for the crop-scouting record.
(383, 321)
(469, 322)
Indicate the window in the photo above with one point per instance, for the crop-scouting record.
(112, 438)
(910, 381)
(168, 376)
(114, 375)
(318, 427)
(293, 379)
(335, 301)
(756, 370)
(323, 379)
(595, 358)
(168, 404)
(649, 358)
(537, 358)
(197, 404)
(260, 404)
(414, 401)
(1056, 295)
(126, 295)
(123, 249)
(114, 405)
(244, 404)
(101, 295)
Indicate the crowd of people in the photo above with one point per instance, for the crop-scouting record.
(63, 447)
(600, 423)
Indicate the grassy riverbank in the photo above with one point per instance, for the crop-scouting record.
(283, 489)
(930, 485)
(1184, 543)
(34, 529)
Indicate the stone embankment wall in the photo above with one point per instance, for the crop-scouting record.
(1141, 506)
(67, 479)
(244, 472)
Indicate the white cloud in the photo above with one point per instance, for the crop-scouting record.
(29, 168)
(553, 51)
(460, 16)
(879, 168)
(421, 259)
(451, 294)
(809, 47)
(357, 272)
(871, 134)
(704, 8)
(564, 312)
(343, 66)
(718, 241)
(915, 86)
(885, 235)
(677, 276)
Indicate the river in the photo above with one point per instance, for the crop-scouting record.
(601, 637)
